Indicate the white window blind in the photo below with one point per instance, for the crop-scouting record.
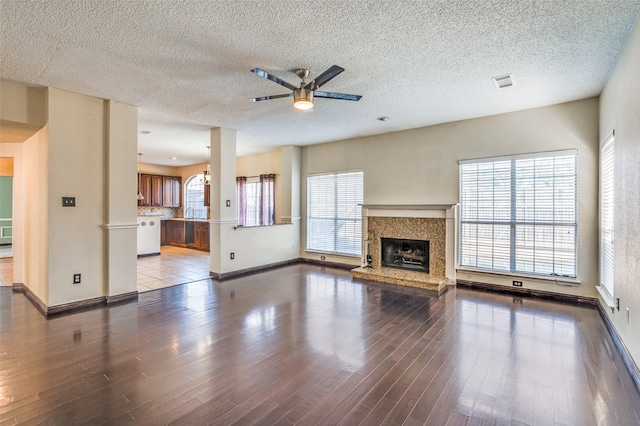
(334, 214)
(518, 214)
(607, 164)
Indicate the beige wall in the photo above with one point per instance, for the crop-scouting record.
(22, 104)
(36, 212)
(420, 166)
(76, 168)
(620, 111)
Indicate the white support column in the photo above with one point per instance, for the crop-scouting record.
(121, 225)
(223, 190)
(451, 242)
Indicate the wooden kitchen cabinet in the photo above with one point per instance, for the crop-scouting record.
(175, 232)
(160, 191)
(207, 195)
(167, 191)
(171, 191)
(163, 233)
(201, 236)
(156, 190)
(176, 191)
(144, 186)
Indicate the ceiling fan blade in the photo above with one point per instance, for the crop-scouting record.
(322, 79)
(266, 98)
(264, 74)
(333, 95)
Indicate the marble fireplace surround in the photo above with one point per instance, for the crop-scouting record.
(432, 222)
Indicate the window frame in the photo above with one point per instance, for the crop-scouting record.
(354, 207)
(557, 256)
(199, 180)
(607, 217)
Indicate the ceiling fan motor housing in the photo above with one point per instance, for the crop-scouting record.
(303, 98)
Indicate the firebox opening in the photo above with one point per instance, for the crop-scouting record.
(405, 254)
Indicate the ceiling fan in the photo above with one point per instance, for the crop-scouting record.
(303, 95)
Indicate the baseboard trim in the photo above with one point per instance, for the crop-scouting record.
(253, 270)
(73, 306)
(122, 297)
(338, 265)
(39, 304)
(632, 367)
(541, 294)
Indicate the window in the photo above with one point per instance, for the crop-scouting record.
(194, 198)
(334, 213)
(518, 214)
(607, 164)
(255, 200)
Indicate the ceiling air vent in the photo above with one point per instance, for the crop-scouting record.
(503, 81)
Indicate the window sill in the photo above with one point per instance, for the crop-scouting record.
(260, 226)
(544, 278)
(608, 299)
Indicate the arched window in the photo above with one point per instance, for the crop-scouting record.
(194, 198)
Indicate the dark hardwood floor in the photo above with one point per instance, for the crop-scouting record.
(304, 345)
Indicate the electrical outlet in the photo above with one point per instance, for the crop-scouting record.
(68, 201)
(517, 283)
(232, 256)
(322, 258)
(76, 278)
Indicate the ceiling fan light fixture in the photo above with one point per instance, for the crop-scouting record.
(303, 99)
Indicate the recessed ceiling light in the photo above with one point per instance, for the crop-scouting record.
(383, 118)
(174, 158)
(503, 81)
(144, 132)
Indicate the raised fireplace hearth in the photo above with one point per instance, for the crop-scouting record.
(412, 255)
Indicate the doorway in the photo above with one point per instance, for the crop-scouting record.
(6, 221)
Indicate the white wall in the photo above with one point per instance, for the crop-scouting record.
(420, 166)
(620, 111)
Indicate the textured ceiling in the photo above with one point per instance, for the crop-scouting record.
(186, 64)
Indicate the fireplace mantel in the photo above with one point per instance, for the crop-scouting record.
(409, 220)
(408, 210)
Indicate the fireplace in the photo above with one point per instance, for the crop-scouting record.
(399, 253)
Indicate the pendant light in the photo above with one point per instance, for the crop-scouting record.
(207, 173)
(140, 196)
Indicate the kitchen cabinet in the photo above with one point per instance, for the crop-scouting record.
(176, 191)
(175, 232)
(171, 191)
(144, 183)
(207, 195)
(156, 190)
(167, 191)
(201, 236)
(163, 233)
(160, 191)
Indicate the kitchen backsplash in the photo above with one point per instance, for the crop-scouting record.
(163, 211)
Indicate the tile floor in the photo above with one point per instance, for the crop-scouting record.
(174, 266)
